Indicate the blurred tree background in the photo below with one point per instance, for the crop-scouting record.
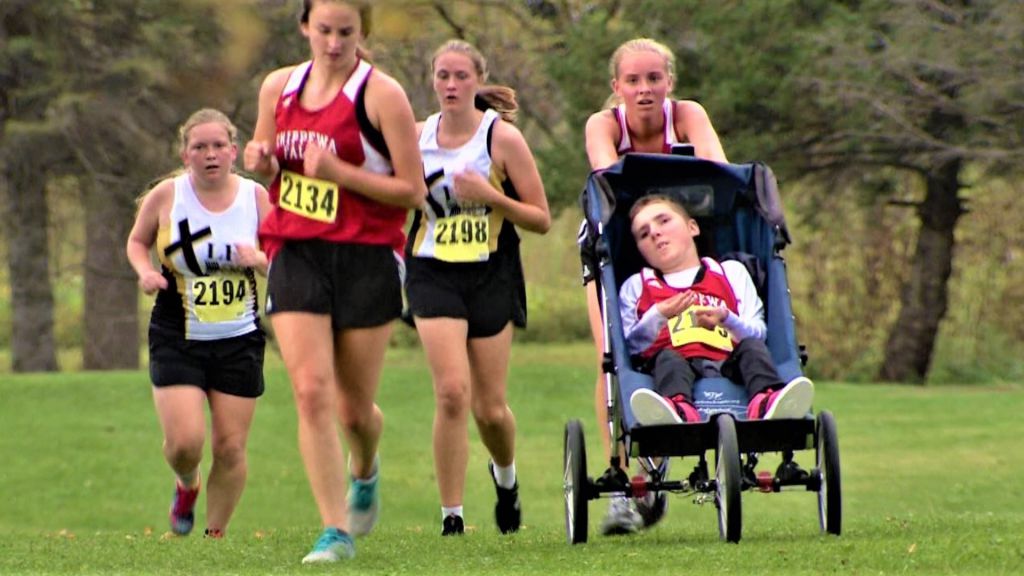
(896, 129)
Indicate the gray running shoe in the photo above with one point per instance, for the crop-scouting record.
(622, 517)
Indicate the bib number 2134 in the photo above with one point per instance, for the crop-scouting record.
(309, 197)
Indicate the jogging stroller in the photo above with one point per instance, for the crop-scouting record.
(740, 216)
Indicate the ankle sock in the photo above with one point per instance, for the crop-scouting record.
(505, 476)
(447, 511)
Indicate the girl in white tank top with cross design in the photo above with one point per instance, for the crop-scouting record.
(197, 250)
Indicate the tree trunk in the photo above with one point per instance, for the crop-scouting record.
(111, 314)
(925, 296)
(33, 347)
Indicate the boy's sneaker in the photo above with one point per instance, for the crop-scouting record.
(507, 511)
(791, 401)
(183, 506)
(214, 533)
(364, 502)
(333, 545)
(453, 526)
(622, 517)
(687, 411)
(650, 408)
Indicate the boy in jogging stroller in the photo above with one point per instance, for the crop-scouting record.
(700, 353)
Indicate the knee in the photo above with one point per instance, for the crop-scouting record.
(748, 344)
(353, 420)
(229, 453)
(314, 397)
(184, 448)
(491, 414)
(451, 398)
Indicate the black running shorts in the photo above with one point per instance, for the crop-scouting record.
(488, 295)
(232, 365)
(357, 285)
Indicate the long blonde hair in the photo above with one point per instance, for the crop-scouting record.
(501, 98)
(638, 45)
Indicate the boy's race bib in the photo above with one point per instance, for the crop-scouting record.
(684, 330)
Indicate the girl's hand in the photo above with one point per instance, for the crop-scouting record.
(472, 188)
(151, 281)
(250, 256)
(257, 157)
(316, 159)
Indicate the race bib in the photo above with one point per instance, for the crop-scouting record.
(309, 197)
(219, 298)
(684, 330)
(462, 238)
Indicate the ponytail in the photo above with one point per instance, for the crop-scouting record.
(501, 99)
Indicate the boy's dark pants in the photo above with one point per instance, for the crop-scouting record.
(749, 364)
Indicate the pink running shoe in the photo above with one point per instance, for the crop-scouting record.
(791, 401)
(183, 509)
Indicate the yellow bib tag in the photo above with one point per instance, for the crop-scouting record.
(462, 238)
(219, 298)
(309, 197)
(684, 330)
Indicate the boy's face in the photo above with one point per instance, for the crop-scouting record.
(665, 236)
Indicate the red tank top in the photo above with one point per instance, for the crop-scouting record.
(713, 290)
(303, 209)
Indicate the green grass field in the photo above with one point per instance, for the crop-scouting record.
(932, 485)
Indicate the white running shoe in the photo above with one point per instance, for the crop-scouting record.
(650, 408)
(792, 401)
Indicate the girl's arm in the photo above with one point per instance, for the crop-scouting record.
(143, 236)
(511, 152)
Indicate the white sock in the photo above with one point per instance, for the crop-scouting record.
(447, 511)
(505, 475)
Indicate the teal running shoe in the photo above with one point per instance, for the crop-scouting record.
(364, 502)
(333, 545)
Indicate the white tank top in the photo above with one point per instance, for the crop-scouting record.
(447, 230)
(218, 297)
(670, 137)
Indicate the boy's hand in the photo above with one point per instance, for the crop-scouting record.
(711, 318)
(675, 305)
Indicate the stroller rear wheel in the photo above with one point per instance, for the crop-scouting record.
(830, 501)
(575, 484)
